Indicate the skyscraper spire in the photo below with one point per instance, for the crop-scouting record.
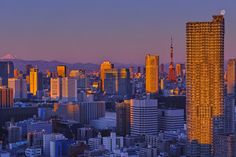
(172, 51)
(171, 74)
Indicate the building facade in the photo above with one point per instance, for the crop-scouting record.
(19, 87)
(33, 81)
(152, 73)
(205, 82)
(123, 118)
(231, 77)
(106, 65)
(144, 117)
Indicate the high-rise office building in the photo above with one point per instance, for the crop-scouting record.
(6, 71)
(123, 118)
(33, 81)
(19, 87)
(205, 82)
(106, 65)
(82, 79)
(179, 70)
(231, 77)
(229, 117)
(170, 119)
(6, 97)
(144, 117)
(61, 71)
(152, 73)
(124, 84)
(111, 82)
(69, 89)
(55, 88)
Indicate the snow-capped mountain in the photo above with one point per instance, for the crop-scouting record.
(8, 56)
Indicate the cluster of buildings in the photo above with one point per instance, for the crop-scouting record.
(153, 111)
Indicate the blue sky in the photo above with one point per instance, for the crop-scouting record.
(93, 30)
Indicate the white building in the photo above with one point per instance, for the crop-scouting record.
(144, 117)
(69, 89)
(33, 152)
(46, 142)
(171, 119)
(19, 87)
(113, 142)
(55, 88)
(95, 143)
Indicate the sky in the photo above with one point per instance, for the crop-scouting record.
(90, 31)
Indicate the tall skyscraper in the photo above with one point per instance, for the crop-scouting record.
(33, 81)
(106, 65)
(69, 89)
(205, 82)
(179, 70)
(152, 73)
(144, 117)
(124, 85)
(6, 97)
(171, 74)
(19, 87)
(61, 71)
(231, 77)
(55, 88)
(229, 118)
(6, 71)
(123, 118)
(111, 82)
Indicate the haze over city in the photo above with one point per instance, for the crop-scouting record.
(92, 31)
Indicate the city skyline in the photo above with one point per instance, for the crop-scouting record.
(106, 30)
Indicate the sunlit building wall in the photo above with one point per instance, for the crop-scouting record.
(231, 77)
(62, 71)
(106, 65)
(69, 89)
(205, 81)
(55, 88)
(6, 97)
(19, 87)
(152, 73)
(179, 69)
(33, 81)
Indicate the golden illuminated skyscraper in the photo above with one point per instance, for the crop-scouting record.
(62, 71)
(152, 73)
(106, 65)
(179, 69)
(205, 82)
(33, 81)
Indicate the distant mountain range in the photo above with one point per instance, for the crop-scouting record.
(51, 65)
